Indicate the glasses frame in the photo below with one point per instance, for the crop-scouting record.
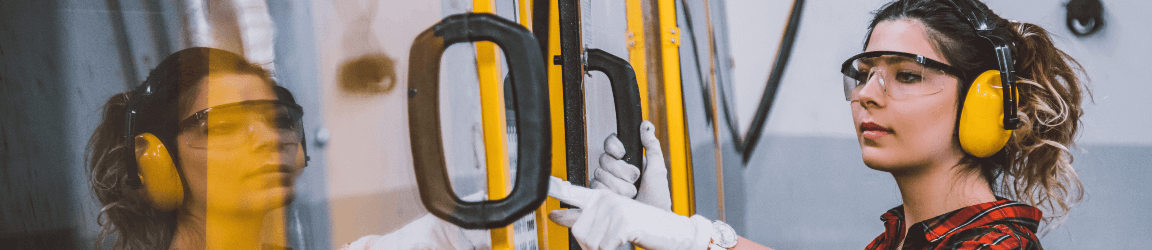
(298, 114)
(848, 70)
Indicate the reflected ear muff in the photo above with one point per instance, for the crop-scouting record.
(160, 182)
(982, 130)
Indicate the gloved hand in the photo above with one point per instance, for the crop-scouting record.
(616, 175)
(608, 221)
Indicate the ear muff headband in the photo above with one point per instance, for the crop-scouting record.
(160, 182)
(987, 128)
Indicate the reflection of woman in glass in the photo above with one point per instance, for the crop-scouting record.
(200, 155)
(908, 93)
(197, 156)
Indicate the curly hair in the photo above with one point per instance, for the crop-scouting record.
(110, 157)
(1035, 167)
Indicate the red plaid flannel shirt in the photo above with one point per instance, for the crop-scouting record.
(1002, 224)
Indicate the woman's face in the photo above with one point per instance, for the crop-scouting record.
(902, 134)
(256, 173)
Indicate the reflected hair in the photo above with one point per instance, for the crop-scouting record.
(111, 161)
(1039, 161)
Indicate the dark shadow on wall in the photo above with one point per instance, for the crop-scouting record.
(368, 75)
(35, 188)
(366, 70)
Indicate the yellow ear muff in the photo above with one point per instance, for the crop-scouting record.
(982, 130)
(159, 179)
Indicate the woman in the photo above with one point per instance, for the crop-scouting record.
(197, 156)
(914, 104)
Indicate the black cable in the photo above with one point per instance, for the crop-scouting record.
(785, 51)
(746, 143)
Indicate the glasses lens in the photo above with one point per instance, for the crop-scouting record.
(899, 76)
(232, 125)
(853, 80)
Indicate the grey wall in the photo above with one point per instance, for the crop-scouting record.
(61, 61)
(35, 183)
(805, 186)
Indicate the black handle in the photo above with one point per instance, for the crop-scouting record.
(531, 98)
(626, 95)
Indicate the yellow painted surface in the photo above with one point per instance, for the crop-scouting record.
(492, 108)
(677, 145)
(636, 57)
(551, 235)
(636, 50)
(525, 13)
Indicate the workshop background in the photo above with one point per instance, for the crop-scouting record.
(796, 183)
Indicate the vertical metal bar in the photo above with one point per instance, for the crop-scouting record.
(524, 13)
(654, 59)
(636, 50)
(717, 148)
(546, 24)
(678, 158)
(492, 118)
(572, 74)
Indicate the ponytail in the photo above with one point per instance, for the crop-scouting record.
(1040, 172)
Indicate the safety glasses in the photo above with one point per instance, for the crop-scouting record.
(900, 74)
(243, 123)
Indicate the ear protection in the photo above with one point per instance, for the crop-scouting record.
(159, 181)
(989, 111)
(981, 133)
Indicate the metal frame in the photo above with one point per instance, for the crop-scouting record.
(427, 149)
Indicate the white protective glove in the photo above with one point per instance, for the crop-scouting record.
(618, 176)
(428, 232)
(608, 221)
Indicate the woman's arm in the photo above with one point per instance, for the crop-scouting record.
(746, 244)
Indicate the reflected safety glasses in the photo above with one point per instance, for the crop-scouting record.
(241, 123)
(900, 74)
